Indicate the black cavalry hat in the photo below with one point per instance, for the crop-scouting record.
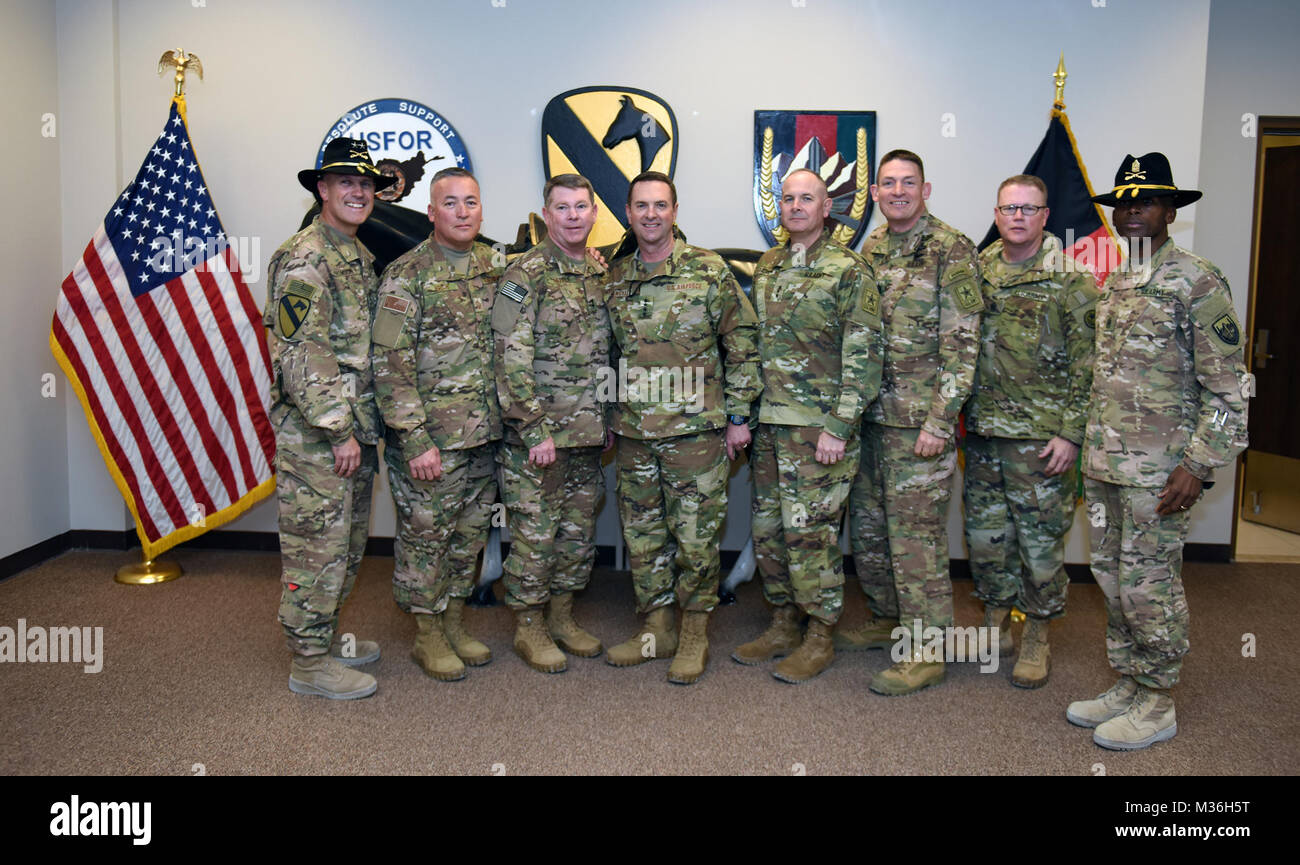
(1148, 176)
(345, 156)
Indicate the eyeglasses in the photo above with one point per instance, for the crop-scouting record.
(1026, 209)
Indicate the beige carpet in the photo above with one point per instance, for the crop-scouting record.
(195, 672)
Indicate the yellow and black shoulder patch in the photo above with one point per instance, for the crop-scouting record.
(1216, 315)
(1225, 327)
(292, 313)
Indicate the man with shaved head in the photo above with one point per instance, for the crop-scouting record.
(820, 348)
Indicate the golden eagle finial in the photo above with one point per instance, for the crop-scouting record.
(183, 62)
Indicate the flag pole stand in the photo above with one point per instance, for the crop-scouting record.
(148, 572)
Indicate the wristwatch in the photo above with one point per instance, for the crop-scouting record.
(738, 420)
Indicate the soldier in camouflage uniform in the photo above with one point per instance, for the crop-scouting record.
(930, 303)
(320, 305)
(552, 339)
(434, 382)
(1168, 407)
(674, 309)
(820, 343)
(1024, 422)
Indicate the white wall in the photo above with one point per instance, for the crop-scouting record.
(34, 470)
(275, 82)
(1252, 68)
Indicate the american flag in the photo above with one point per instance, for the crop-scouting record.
(161, 340)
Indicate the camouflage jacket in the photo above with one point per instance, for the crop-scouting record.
(432, 351)
(1037, 333)
(1170, 371)
(930, 302)
(668, 320)
(320, 303)
(820, 336)
(552, 342)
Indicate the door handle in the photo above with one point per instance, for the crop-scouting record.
(1261, 357)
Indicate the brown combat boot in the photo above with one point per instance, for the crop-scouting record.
(813, 655)
(1035, 660)
(432, 651)
(534, 645)
(1149, 718)
(693, 654)
(874, 633)
(657, 639)
(324, 676)
(1000, 618)
(907, 677)
(468, 649)
(565, 631)
(780, 638)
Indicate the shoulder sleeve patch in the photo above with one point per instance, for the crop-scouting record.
(871, 299)
(1216, 316)
(513, 291)
(298, 288)
(968, 296)
(390, 321)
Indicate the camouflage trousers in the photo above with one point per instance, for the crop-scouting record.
(551, 514)
(441, 526)
(899, 527)
(1016, 520)
(798, 507)
(1137, 560)
(324, 523)
(672, 498)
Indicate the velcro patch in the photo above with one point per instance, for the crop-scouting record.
(513, 290)
(968, 296)
(292, 313)
(396, 304)
(871, 300)
(1216, 314)
(302, 289)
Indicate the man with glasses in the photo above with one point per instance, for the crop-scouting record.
(1025, 421)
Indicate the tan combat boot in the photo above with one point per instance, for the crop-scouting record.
(1000, 618)
(468, 649)
(534, 645)
(780, 638)
(326, 677)
(814, 654)
(1147, 720)
(907, 677)
(354, 652)
(1090, 713)
(568, 633)
(661, 625)
(874, 633)
(693, 653)
(432, 651)
(1035, 660)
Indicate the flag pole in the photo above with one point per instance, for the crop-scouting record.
(151, 571)
(1058, 101)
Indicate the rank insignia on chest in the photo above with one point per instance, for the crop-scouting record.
(513, 291)
(1225, 326)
